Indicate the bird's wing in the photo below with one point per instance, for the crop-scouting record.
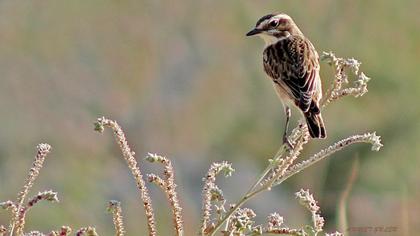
(294, 63)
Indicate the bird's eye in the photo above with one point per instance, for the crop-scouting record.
(274, 23)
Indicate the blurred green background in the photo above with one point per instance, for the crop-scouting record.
(183, 81)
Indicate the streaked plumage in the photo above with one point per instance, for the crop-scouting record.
(292, 63)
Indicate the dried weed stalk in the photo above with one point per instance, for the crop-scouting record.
(216, 213)
(41, 196)
(282, 167)
(128, 155)
(114, 207)
(212, 192)
(168, 185)
(18, 207)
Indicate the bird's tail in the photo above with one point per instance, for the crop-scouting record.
(315, 124)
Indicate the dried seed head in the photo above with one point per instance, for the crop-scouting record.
(7, 205)
(46, 195)
(307, 200)
(216, 194)
(132, 163)
(241, 220)
(114, 207)
(167, 184)
(318, 221)
(275, 220)
(208, 190)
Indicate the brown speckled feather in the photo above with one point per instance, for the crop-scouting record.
(293, 65)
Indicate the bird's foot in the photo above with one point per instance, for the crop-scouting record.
(287, 142)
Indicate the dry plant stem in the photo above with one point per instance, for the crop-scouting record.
(267, 186)
(42, 151)
(287, 173)
(341, 65)
(169, 187)
(251, 192)
(46, 196)
(371, 138)
(115, 208)
(173, 197)
(342, 207)
(9, 205)
(307, 200)
(280, 152)
(152, 178)
(133, 166)
(288, 161)
(209, 184)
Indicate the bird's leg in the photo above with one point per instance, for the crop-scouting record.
(286, 127)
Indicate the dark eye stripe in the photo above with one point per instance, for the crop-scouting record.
(266, 17)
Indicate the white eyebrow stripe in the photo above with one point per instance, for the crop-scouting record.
(282, 16)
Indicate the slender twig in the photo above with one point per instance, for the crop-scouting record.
(42, 151)
(9, 205)
(152, 178)
(268, 184)
(209, 184)
(287, 162)
(280, 153)
(342, 207)
(371, 138)
(169, 187)
(280, 167)
(115, 208)
(41, 196)
(133, 166)
(367, 138)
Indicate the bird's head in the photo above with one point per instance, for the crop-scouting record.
(274, 27)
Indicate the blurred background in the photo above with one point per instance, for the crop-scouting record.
(183, 81)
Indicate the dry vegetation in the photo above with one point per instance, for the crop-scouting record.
(218, 215)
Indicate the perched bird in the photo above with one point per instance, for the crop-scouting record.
(292, 63)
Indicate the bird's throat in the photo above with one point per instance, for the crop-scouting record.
(271, 39)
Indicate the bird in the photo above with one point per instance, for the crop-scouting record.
(292, 63)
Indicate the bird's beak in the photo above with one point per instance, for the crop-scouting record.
(254, 32)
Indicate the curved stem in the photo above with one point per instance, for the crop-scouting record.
(251, 192)
(371, 138)
(279, 153)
